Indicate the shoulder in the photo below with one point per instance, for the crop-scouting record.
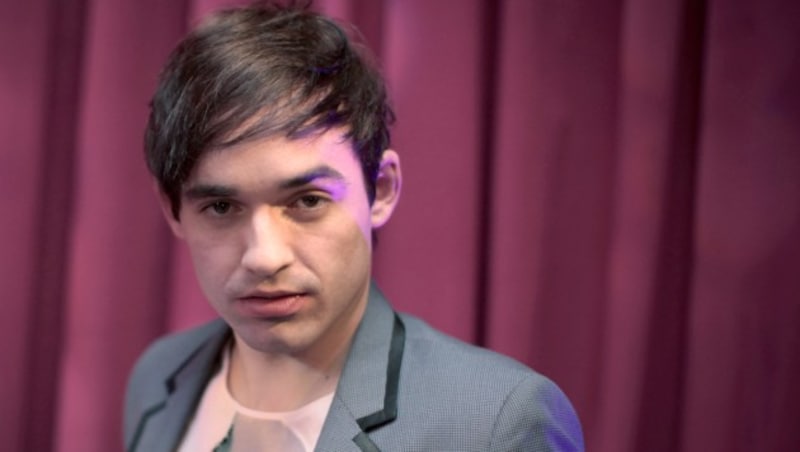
(147, 383)
(164, 355)
(499, 402)
(462, 362)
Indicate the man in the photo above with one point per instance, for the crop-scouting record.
(268, 138)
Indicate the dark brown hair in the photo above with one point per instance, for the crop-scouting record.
(259, 71)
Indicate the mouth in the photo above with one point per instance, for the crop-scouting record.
(271, 294)
(271, 305)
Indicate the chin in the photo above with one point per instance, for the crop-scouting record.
(274, 338)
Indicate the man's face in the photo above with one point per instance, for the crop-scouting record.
(280, 235)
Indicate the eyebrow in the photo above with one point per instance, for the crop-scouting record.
(205, 191)
(320, 172)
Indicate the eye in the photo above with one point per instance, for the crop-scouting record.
(308, 202)
(219, 208)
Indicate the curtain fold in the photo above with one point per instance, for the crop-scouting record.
(609, 193)
(117, 266)
(742, 359)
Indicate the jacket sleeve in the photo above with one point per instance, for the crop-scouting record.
(537, 416)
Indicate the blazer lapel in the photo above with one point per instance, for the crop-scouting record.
(366, 397)
(162, 426)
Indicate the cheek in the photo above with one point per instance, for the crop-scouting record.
(341, 248)
(355, 231)
(359, 214)
(212, 263)
(353, 254)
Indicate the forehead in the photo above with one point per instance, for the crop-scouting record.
(273, 160)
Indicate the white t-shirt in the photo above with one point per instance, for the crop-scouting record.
(217, 409)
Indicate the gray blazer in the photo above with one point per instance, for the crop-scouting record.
(405, 387)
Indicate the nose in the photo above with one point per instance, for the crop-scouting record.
(268, 245)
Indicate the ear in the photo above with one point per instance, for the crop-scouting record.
(387, 188)
(166, 210)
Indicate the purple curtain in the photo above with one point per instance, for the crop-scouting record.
(606, 191)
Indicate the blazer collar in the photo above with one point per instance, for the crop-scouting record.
(365, 399)
(172, 405)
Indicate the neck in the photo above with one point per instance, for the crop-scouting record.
(293, 382)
